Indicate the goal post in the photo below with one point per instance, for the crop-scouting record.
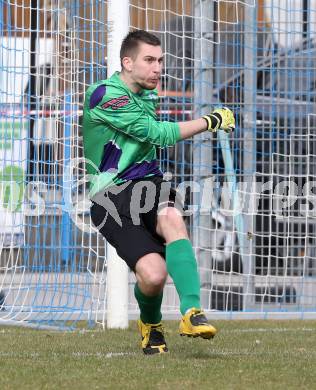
(117, 271)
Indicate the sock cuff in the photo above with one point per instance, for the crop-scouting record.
(182, 246)
(140, 296)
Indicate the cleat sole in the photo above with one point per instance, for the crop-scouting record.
(150, 352)
(206, 336)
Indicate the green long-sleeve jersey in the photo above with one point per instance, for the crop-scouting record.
(121, 133)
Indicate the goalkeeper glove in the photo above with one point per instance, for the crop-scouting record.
(221, 118)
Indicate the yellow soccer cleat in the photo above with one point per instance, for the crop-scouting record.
(153, 339)
(194, 324)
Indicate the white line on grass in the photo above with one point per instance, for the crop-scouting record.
(36, 355)
(102, 355)
(261, 353)
(268, 330)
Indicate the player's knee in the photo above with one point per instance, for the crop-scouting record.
(170, 219)
(151, 273)
(152, 283)
(156, 280)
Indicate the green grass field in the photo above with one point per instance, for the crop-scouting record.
(244, 355)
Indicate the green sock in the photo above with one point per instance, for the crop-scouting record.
(150, 307)
(182, 267)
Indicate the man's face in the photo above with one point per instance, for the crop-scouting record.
(145, 68)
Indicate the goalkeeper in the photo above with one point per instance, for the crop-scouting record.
(121, 135)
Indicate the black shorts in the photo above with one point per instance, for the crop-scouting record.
(126, 215)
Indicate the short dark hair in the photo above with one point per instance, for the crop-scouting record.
(131, 41)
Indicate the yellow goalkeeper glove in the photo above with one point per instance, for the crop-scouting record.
(221, 118)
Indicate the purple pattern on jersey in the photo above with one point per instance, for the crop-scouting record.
(97, 96)
(111, 156)
(139, 170)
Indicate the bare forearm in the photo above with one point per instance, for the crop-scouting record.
(191, 128)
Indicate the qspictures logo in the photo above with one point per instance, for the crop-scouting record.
(286, 198)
